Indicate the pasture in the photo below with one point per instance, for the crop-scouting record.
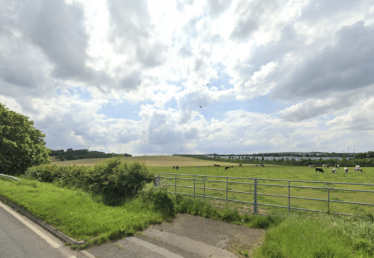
(277, 187)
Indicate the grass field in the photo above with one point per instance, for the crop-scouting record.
(153, 161)
(279, 172)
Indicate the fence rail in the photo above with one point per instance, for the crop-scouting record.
(278, 193)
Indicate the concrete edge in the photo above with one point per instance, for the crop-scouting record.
(11, 177)
(41, 223)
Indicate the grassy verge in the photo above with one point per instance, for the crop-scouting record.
(301, 235)
(77, 213)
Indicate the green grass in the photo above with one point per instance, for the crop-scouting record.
(284, 173)
(301, 235)
(76, 213)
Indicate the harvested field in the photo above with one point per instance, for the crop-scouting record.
(153, 161)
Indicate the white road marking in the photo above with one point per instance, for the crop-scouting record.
(87, 254)
(37, 231)
(153, 248)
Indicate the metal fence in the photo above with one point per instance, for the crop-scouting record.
(315, 196)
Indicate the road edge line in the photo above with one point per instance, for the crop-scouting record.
(41, 223)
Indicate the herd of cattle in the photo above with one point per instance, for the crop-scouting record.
(335, 167)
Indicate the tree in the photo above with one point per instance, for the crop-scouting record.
(21, 145)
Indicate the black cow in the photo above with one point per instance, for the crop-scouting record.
(240, 165)
(227, 168)
(319, 170)
(232, 166)
(262, 165)
(177, 167)
(173, 167)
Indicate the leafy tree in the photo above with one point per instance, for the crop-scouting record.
(370, 154)
(21, 145)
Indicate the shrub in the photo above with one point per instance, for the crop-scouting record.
(112, 179)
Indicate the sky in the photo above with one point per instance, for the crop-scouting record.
(187, 76)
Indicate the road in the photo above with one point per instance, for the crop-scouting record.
(20, 237)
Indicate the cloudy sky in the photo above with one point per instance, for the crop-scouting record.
(132, 75)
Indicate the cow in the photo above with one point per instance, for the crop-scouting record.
(323, 165)
(216, 165)
(173, 167)
(240, 165)
(232, 166)
(333, 170)
(177, 167)
(357, 169)
(319, 170)
(346, 170)
(198, 167)
(311, 166)
(262, 165)
(337, 166)
(227, 168)
(256, 165)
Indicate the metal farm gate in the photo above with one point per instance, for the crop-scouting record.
(250, 194)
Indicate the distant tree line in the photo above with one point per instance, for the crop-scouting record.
(362, 159)
(71, 154)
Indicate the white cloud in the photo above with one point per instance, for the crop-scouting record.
(313, 59)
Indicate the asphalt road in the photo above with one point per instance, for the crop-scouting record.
(18, 240)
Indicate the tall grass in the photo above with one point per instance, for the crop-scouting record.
(302, 235)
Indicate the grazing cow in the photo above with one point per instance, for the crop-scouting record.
(357, 169)
(337, 166)
(333, 170)
(323, 165)
(240, 165)
(346, 170)
(227, 168)
(232, 166)
(256, 165)
(177, 167)
(311, 166)
(173, 167)
(262, 165)
(319, 170)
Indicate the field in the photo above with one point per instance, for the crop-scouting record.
(152, 161)
(191, 166)
(248, 173)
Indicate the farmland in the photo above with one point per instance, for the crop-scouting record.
(191, 166)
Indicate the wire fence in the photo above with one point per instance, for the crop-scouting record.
(258, 195)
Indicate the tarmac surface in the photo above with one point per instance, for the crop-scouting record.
(187, 236)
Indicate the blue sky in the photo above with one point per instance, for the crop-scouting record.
(127, 75)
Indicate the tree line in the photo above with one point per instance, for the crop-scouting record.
(363, 161)
(71, 154)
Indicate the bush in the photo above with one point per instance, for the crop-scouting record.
(112, 179)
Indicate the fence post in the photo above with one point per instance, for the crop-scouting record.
(204, 188)
(194, 187)
(227, 188)
(255, 197)
(156, 181)
(289, 197)
(175, 184)
(328, 200)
